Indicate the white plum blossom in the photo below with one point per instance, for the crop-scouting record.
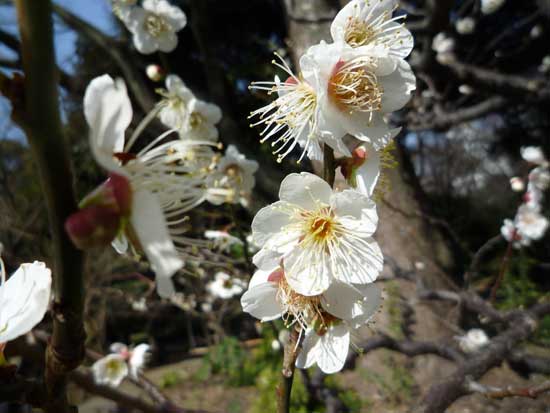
(536, 31)
(442, 43)
(473, 341)
(491, 6)
(24, 299)
(328, 319)
(356, 89)
(530, 223)
(544, 66)
(233, 179)
(370, 23)
(110, 370)
(154, 26)
(318, 235)
(225, 286)
(222, 240)
(162, 187)
(466, 90)
(534, 154)
(465, 25)
(176, 97)
(201, 120)
(139, 356)
(539, 178)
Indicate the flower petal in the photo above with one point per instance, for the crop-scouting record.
(150, 226)
(334, 347)
(397, 87)
(108, 111)
(305, 190)
(261, 302)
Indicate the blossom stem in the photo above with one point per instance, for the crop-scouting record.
(41, 121)
(284, 388)
(503, 267)
(329, 167)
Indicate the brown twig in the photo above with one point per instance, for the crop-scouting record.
(284, 389)
(502, 271)
(510, 391)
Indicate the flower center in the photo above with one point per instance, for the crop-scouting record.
(358, 33)
(155, 25)
(353, 87)
(319, 226)
(300, 307)
(113, 367)
(196, 120)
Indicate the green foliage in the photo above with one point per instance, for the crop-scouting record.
(353, 402)
(170, 379)
(266, 401)
(519, 291)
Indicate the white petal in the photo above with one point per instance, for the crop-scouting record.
(108, 111)
(366, 176)
(360, 261)
(397, 87)
(343, 301)
(167, 42)
(150, 226)
(371, 302)
(305, 190)
(355, 211)
(268, 223)
(24, 300)
(266, 259)
(306, 273)
(260, 277)
(310, 350)
(334, 347)
(261, 302)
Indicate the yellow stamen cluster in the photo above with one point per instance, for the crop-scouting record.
(353, 87)
(155, 25)
(358, 33)
(299, 308)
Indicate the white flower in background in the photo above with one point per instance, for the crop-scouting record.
(544, 67)
(517, 184)
(206, 307)
(509, 232)
(533, 196)
(121, 8)
(534, 154)
(536, 31)
(466, 25)
(225, 286)
(176, 97)
(24, 299)
(139, 356)
(318, 234)
(466, 90)
(110, 370)
(139, 305)
(473, 341)
(530, 223)
(275, 345)
(154, 73)
(329, 318)
(442, 43)
(154, 26)
(233, 179)
(539, 178)
(162, 188)
(223, 240)
(201, 120)
(356, 89)
(370, 23)
(491, 6)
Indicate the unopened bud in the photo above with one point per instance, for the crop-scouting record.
(517, 184)
(93, 226)
(115, 193)
(155, 73)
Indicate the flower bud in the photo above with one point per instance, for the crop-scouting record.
(517, 184)
(155, 73)
(115, 193)
(93, 226)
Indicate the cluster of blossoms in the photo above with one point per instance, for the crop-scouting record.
(122, 362)
(317, 259)
(529, 224)
(143, 206)
(24, 299)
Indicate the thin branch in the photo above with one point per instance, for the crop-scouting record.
(510, 391)
(42, 124)
(284, 388)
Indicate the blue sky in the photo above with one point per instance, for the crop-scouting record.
(96, 12)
